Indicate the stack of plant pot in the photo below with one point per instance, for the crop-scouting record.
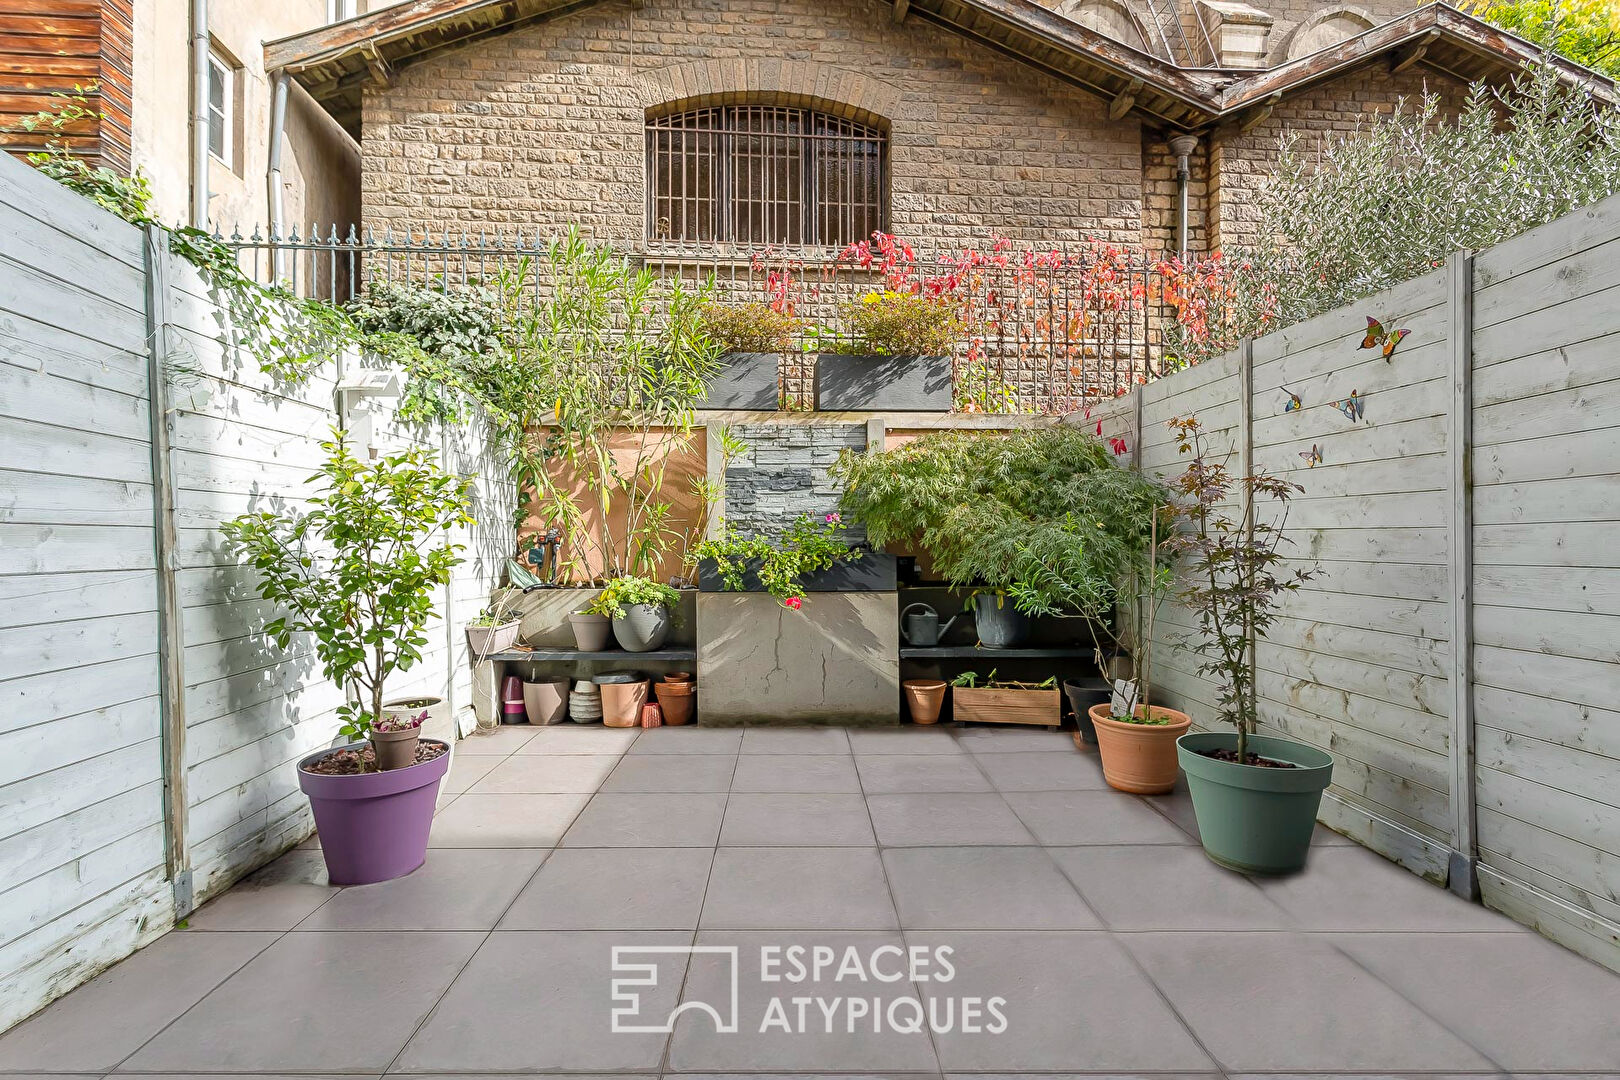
(677, 697)
(585, 703)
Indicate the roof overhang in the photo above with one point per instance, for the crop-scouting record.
(335, 63)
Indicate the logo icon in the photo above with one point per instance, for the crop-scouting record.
(629, 976)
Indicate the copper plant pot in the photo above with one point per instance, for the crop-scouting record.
(677, 700)
(395, 749)
(622, 702)
(1139, 758)
(925, 698)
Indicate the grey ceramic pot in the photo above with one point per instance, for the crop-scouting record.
(642, 627)
(1000, 625)
(590, 631)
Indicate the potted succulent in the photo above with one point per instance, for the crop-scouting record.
(1255, 796)
(357, 572)
(898, 355)
(1003, 701)
(751, 337)
(492, 631)
(641, 609)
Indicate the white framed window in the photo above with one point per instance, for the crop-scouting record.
(221, 109)
(338, 10)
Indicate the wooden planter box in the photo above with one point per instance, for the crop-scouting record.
(745, 381)
(883, 383)
(993, 706)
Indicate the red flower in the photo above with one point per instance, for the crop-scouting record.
(794, 602)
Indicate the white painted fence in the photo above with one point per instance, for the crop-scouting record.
(118, 699)
(1460, 655)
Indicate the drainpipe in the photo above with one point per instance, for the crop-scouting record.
(1182, 146)
(199, 114)
(273, 189)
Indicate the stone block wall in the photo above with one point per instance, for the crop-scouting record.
(785, 473)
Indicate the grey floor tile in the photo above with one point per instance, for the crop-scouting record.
(1167, 888)
(1525, 1002)
(277, 897)
(107, 1019)
(796, 773)
(983, 888)
(1092, 817)
(614, 889)
(672, 772)
(1292, 1002)
(1178, 807)
(1070, 999)
(1012, 739)
(945, 819)
(688, 740)
(536, 1001)
(906, 739)
(541, 774)
(293, 1007)
(1058, 769)
(793, 888)
(454, 890)
(809, 1048)
(1351, 888)
(503, 821)
(795, 741)
(627, 819)
(466, 770)
(886, 774)
(828, 820)
(571, 738)
(500, 741)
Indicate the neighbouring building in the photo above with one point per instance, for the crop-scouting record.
(814, 122)
(138, 55)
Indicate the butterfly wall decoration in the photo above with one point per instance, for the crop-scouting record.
(1294, 402)
(1313, 456)
(1354, 407)
(1377, 335)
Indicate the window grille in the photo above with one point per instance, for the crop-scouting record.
(764, 174)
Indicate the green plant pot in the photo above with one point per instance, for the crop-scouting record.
(1252, 819)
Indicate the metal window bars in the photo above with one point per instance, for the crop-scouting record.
(1051, 331)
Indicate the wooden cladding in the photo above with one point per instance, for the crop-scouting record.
(51, 46)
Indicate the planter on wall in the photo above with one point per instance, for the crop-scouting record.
(872, 572)
(878, 383)
(745, 381)
(485, 641)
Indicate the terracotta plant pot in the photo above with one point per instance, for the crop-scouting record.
(678, 676)
(677, 700)
(485, 641)
(395, 749)
(373, 826)
(546, 701)
(591, 632)
(925, 698)
(622, 702)
(1139, 758)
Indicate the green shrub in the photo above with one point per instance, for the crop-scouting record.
(902, 324)
(752, 327)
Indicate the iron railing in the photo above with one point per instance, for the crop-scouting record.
(1051, 331)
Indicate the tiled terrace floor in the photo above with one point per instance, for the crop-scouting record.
(1117, 946)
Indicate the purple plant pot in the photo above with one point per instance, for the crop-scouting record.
(374, 826)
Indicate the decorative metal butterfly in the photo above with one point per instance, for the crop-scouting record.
(1377, 335)
(1295, 403)
(1313, 456)
(1354, 407)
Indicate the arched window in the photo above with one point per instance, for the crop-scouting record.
(764, 174)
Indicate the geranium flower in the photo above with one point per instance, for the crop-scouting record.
(794, 602)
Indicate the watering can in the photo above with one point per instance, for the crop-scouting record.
(919, 625)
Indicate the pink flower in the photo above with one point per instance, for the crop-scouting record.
(794, 602)
(834, 518)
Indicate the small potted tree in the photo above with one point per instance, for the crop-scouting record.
(641, 610)
(751, 337)
(898, 356)
(357, 572)
(1255, 796)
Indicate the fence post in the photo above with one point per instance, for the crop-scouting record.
(1462, 872)
(714, 468)
(171, 640)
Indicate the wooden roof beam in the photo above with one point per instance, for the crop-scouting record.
(1125, 101)
(1412, 53)
(1253, 118)
(382, 73)
(901, 9)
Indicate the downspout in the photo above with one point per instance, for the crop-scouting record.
(273, 189)
(199, 114)
(1182, 146)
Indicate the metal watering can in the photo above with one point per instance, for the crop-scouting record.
(919, 625)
